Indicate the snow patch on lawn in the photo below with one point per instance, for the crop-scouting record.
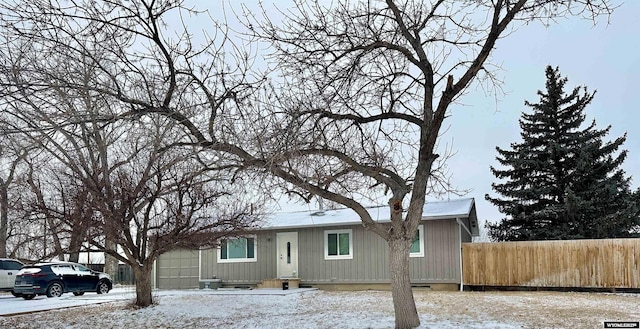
(343, 309)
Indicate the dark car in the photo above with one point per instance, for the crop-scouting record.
(54, 279)
(9, 268)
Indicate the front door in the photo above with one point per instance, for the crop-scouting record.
(287, 254)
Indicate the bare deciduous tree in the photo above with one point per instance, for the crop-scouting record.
(135, 190)
(356, 110)
(157, 205)
(366, 88)
(12, 154)
(64, 204)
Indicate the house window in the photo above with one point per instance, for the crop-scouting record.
(237, 250)
(338, 244)
(417, 247)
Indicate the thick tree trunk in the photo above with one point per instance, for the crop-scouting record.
(403, 302)
(75, 244)
(143, 285)
(110, 262)
(4, 209)
(74, 256)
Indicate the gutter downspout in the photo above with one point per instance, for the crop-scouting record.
(199, 266)
(460, 226)
(154, 269)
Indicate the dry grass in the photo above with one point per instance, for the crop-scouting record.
(533, 309)
(317, 309)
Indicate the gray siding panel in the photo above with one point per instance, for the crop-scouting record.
(440, 263)
(370, 263)
(362, 268)
(466, 237)
(244, 273)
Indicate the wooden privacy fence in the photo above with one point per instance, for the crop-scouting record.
(608, 263)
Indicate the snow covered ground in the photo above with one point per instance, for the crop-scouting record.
(331, 309)
(10, 305)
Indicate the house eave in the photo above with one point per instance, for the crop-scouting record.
(352, 223)
(440, 210)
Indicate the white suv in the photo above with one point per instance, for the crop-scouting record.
(8, 270)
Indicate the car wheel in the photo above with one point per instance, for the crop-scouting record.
(55, 290)
(78, 293)
(103, 287)
(15, 294)
(28, 297)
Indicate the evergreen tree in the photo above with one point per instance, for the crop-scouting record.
(562, 181)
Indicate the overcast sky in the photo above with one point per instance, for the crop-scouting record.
(603, 57)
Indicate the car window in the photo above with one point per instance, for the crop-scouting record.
(82, 268)
(12, 265)
(29, 270)
(62, 269)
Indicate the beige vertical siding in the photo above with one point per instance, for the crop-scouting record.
(607, 263)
